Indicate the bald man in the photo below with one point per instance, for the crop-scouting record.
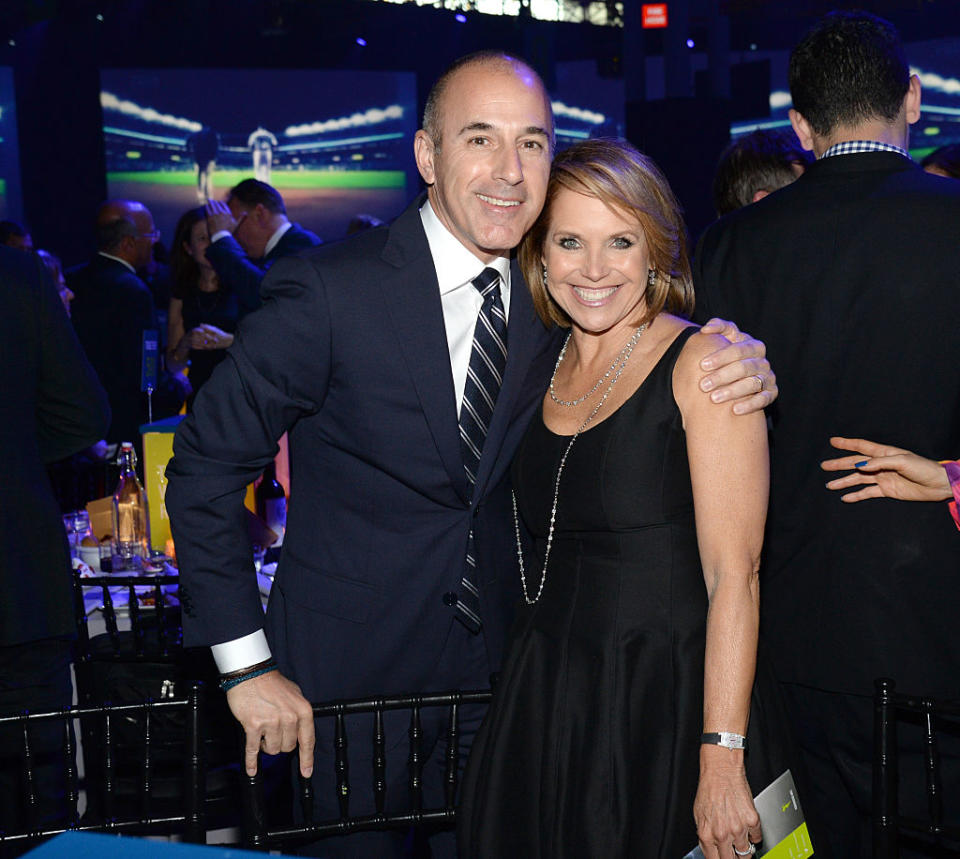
(113, 306)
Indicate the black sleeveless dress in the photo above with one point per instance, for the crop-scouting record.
(591, 745)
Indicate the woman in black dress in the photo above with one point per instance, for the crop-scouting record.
(203, 313)
(647, 505)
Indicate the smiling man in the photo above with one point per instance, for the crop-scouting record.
(405, 365)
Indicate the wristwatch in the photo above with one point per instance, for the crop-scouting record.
(727, 739)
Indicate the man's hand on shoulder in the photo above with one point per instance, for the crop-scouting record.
(275, 717)
(739, 371)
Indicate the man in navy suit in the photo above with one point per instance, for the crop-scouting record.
(248, 234)
(361, 352)
(112, 306)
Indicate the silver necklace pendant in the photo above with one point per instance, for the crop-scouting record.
(617, 360)
(621, 360)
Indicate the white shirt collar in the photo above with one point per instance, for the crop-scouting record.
(272, 242)
(117, 259)
(455, 265)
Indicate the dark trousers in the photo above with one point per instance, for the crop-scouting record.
(34, 676)
(463, 665)
(835, 734)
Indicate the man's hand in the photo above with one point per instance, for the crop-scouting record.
(219, 217)
(275, 717)
(887, 472)
(740, 371)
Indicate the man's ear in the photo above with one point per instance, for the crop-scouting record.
(911, 101)
(802, 129)
(759, 194)
(424, 151)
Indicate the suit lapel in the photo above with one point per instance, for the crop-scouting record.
(413, 301)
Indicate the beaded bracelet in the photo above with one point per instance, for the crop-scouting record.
(228, 681)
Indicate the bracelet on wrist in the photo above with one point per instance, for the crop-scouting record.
(727, 739)
(234, 678)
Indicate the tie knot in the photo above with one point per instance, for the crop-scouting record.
(487, 281)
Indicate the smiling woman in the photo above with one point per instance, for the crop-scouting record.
(635, 653)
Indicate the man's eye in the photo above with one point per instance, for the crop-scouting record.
(478, 141)
(535, 145)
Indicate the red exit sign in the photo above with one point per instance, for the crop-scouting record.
(654, 15)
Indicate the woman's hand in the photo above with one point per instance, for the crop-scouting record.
(888, 472)
(727, 820)
(208, 337)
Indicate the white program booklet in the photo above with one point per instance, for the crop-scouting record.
(784, 827)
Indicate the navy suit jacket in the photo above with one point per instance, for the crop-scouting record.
(850, 276)
(111, 309)
(52, 406)
(243, 275)
(349, 354)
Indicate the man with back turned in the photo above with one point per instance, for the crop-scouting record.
(850, 276)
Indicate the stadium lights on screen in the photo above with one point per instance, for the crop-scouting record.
(333, 143)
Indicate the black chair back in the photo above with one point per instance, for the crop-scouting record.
(257, 834)
(102, 814)
(154, 616)
(890, 708)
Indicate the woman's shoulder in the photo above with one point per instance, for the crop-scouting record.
(697, 346)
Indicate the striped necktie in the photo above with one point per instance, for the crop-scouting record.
(484, 377)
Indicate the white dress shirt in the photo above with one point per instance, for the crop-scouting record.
(456, 267)
(461, 302)
(122, 262)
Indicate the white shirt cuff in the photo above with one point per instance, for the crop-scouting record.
(219, 234)
(241, 652)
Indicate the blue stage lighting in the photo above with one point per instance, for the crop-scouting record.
(361, 42)
(461, 18)
(691, 43)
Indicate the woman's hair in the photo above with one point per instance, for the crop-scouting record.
(629, 183)
(184, 270)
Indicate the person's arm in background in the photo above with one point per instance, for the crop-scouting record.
(73, 412)
(236, 271)
(885, 471)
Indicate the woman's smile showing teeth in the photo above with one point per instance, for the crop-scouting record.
(594, 295)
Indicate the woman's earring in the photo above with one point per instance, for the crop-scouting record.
(651, 277)
(544, 275)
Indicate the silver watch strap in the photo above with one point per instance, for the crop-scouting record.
(727, 739)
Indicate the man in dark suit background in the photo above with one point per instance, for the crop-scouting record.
(248, 234)
(52, 406)
(850, 276)
(362, 350)
(112, 307)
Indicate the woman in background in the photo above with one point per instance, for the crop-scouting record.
(203, 314)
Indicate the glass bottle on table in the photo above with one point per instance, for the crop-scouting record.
(271, 502)
(131, 521)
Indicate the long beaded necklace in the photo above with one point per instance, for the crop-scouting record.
(616, 361)
(620, 364)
